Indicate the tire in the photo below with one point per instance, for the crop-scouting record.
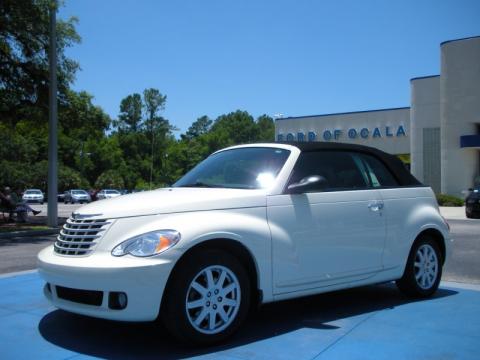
(468, 214)
(196, 282)
(422, 277)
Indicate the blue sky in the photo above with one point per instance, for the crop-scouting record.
(266, 57)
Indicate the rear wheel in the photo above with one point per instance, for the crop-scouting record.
(424, 269)
(208, 299)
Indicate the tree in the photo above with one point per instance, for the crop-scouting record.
(265, 128)
(130, 118)
(110, 179)
(239, 127)
(24, 39)
(201, 126)
(153, 102)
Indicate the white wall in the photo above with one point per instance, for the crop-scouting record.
(459, 112)
(424, 113)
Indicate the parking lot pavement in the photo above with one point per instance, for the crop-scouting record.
(64, 210)
(373, 322)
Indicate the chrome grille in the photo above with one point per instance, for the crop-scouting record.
(79, 237)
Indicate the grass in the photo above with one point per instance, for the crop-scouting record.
(449, 200)
(10, 227)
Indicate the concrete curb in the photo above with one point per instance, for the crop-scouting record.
(14, 234)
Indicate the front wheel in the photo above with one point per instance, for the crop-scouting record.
(424, 269)
(207, 299)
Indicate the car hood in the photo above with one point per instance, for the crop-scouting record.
(172, 200)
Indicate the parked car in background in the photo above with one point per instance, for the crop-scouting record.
(472, 204)
(33, 195)
(250, 224)
(61, 197)
(76, 196)
(107, 194)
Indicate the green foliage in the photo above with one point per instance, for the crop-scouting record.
(24, 39)
(237, 127)
(153, 102)
(110, 179)
(449, 200)
(130, 116)
(69, 178)
(199, 127)
(266, 129)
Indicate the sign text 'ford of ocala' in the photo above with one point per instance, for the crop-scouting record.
(352, 133)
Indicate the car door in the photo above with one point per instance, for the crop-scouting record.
(331, 234)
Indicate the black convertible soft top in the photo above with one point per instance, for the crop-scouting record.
(392, 162)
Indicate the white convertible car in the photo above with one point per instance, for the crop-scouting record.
(250, 224)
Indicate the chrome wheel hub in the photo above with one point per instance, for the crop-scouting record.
(213, 299)
(426, 266)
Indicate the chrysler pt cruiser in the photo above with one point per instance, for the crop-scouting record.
(250, 224)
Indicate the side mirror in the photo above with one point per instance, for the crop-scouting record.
(312, 182)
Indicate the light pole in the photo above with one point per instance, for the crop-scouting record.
(52, 123)
(82, 154)
(151, 159)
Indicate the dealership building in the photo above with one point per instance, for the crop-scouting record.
(439, 132)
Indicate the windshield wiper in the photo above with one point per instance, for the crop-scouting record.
(199, 184)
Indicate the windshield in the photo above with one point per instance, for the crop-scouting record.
(242, 168)
(30, 192)
(112, 192)
(79, 192)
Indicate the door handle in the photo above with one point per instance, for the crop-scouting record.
(375, 205)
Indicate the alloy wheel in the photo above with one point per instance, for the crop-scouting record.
(426, 266)
(213, 299)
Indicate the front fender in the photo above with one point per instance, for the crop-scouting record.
(248, 226)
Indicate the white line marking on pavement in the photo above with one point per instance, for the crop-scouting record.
(18, 273)
(460, 285)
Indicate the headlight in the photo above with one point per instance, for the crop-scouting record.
(148, 244)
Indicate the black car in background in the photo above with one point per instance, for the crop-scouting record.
(472, 204)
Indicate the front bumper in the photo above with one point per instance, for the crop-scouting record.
(142, 280)
(80, 200)
(31, 200)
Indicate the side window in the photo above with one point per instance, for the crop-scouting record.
(378, 172)
(337, 167)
